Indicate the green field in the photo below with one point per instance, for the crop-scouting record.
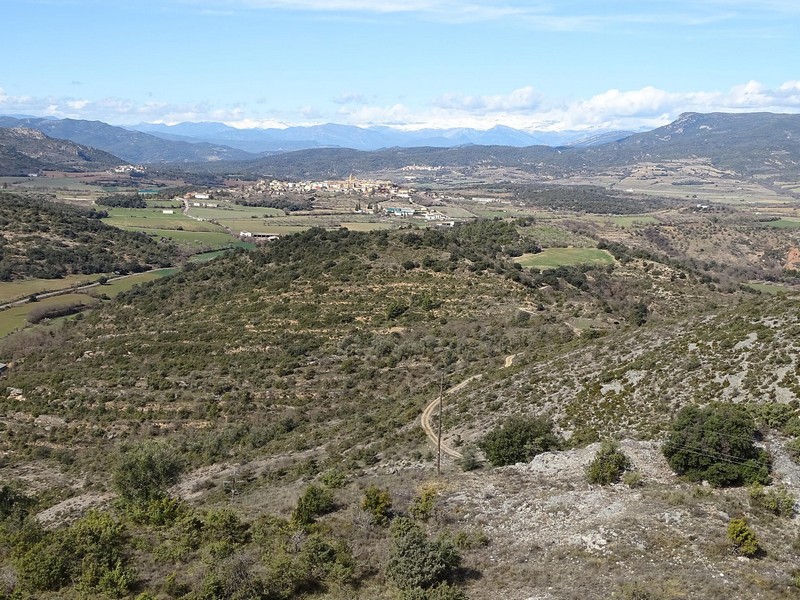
(770, 288)
(174, 204)
(61, 183)
(235, 212)
(563, 257)
(268, 228)
(124, 284)
(212, 239)
(151, 219)
(14, 290)
(15, 318)
(783, 224)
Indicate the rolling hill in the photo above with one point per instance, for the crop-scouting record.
(24, 150)
(754, 144)
(290, 380)
(131, 146)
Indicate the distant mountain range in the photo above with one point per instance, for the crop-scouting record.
(368, 138)
(210, 142)
(749, 144)
(24, 151)
(131, 146)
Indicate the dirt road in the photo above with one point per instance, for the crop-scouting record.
(432, 407)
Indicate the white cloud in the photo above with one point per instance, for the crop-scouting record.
(78, 104)
(523, 108)
(522, 99)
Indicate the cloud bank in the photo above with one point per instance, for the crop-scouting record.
(523, 108)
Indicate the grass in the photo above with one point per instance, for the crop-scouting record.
(562, 257)
(769, 288)
(123, 285)
(256, 226)
(16, 317)
(62, 183)
(15, 290)
(235, 213)
(165, 204)
(783, 224)
(213, 239)
(150, 219)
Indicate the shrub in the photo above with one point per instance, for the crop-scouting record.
(519, 440)
(715, 443)
(778, 501)
(13, 503)
(632, 479)
(90, 553)
(144, 472)
(743, 538)
(314, 502)
(378, 503)
(231, 578)
(333, 478)
(469, 459)
(608, 465)
(416, 562)
(158, 512)
(424, 503)
(793, 448)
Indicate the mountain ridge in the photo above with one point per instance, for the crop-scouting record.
(24, 151)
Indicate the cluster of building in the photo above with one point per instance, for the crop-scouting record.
(366, 187)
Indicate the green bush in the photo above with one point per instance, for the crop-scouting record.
(424, 503)
(715, 444)
(378, 503)
(743, 538)
(793, 448)
(608, 465)
(778, 501)
(519, 440)
(416, 562)
(158, 512)
(13, 504)
(314, 502)
(90, 554)
(143, 473)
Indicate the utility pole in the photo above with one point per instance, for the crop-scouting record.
(231, 483)
(439, 440)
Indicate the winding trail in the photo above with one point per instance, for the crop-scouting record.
(432, 407)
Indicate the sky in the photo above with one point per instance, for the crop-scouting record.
(550, 65)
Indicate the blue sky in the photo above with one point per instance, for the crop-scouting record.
(554, 65)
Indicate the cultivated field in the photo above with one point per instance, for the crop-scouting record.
(14, 290)
(16, 317)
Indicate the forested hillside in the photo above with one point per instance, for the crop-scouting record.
(259, 416)
(46, 239)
